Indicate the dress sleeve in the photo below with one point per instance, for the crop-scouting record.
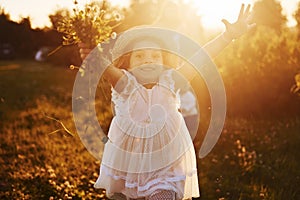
(129, 82)
(166, 79)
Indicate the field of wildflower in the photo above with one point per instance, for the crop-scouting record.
(41, 157)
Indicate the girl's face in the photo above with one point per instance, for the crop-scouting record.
(146, 64)
(145, 56)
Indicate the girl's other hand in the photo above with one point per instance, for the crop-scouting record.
(241, 26)
(84, 50)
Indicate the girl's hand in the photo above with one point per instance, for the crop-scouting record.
(84, 50)
(241, 26)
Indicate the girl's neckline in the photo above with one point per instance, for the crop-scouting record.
(149, 86)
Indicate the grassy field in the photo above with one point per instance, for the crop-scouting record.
(253, 159)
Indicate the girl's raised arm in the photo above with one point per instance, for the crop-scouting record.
(233, 31)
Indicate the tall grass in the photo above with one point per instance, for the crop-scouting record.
(253, 159)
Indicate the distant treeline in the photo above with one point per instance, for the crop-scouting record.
(24, 42)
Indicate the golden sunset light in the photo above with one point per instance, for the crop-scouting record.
(150, 99)
(212, 12)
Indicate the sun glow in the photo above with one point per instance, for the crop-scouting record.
(120, 3)
(213, 11)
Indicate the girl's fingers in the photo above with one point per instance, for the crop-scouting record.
(249, 18)
(226, 23)
(247, 12)
(244, 13)
(241, 14)
(82, 45)
(83, 56)
(84, 51)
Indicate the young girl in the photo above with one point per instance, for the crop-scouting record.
(150, 154)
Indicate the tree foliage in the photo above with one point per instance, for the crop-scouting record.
(269, 13)
(58, 16)
(258, 70)
(297, 18)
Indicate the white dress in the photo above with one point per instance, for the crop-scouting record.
(149, 146)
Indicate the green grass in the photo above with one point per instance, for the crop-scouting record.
(253, 159)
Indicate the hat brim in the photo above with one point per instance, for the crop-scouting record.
(125, 41)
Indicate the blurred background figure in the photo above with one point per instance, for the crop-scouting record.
(42, 54)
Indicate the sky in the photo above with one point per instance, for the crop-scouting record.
(38, 10)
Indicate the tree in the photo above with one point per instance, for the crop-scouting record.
(58, 16)
(297, 18)
(6, 27)
(139, 13)
(269, 13)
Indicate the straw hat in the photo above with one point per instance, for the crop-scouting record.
(160, 36)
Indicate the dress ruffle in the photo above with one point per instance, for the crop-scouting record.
(180, 177)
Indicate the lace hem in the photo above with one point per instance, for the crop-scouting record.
(149, 184)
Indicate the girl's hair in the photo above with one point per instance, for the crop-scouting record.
(123, 62)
